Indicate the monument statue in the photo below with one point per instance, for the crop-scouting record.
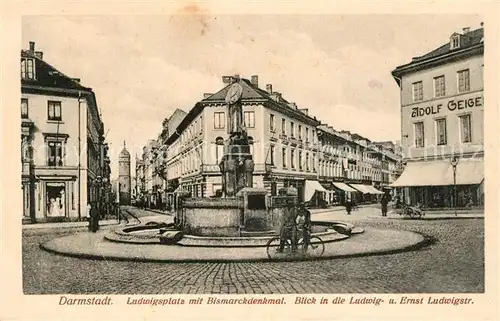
(237, 165)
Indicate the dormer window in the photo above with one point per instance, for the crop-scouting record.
(27, 68)
(455, 42)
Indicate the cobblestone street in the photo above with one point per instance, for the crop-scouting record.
(455, 263)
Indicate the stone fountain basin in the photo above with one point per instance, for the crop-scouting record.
(154, 233)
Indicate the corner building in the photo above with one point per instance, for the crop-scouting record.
(441, 119)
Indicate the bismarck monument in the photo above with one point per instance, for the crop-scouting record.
(243, 209)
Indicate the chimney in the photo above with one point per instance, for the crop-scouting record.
(482, 24)
(292, 105)
(206, 95)
(226, 79)
(76, 80)
(255, 80)
(269, 88)
(32, 46)
(276, 96)
(466, 30)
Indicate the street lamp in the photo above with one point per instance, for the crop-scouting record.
(454, 162)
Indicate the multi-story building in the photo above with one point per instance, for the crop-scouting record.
(283, 141)
(64, 156)
(442, 123)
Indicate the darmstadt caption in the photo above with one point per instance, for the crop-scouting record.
(247, 154)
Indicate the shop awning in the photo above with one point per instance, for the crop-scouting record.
(361, 188)
(310, 188)
(344, 187)
(373, 190)
(440, 173)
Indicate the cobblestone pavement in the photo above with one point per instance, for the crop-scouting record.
(455, 263)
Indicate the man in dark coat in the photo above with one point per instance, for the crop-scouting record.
(384, 201)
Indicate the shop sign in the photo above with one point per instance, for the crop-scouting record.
(451, 105)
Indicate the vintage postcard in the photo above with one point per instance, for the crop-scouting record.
(221, 161)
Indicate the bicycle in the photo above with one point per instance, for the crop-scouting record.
(315, 247)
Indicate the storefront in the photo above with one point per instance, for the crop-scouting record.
(432, 184)
(343, 191)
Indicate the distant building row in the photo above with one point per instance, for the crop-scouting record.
(289, 148)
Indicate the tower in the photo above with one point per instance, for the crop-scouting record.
(124, 181)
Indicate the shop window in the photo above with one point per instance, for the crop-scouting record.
(56, 200)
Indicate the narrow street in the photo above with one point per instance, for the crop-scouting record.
(454, 263)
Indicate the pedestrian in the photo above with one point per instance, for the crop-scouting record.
(288, 230)
(384, 201)
(303, 223)
(88, 217)
(348, 205)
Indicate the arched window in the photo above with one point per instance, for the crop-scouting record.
(219, 149)
(250, 143)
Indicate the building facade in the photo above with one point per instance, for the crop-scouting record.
(289, 148)
(442, 123)
(124, 178)
(64, 156)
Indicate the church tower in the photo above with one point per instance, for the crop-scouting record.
(124, 181)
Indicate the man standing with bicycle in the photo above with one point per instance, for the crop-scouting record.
(303, 223)
(288, 229)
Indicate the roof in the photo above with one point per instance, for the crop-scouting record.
(250, 93)
(469, 40)
(124, 153)
(49, 76)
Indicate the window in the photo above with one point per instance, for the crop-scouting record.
(300, 159)
(439, 87)
(24, 108)
(292, 158)
(283, 156)
(300, 132)
(465, 129)
(307, 161)
(201, 123)
(219, 120)
(307, 134)
(292, 129)
(313, 138)
(249, 119)
(418, 91)
(219, 149)
(271, 152)
(455, 42)
(441, 131)
(54, 155)
(54, 110)
(313, 161)
(463, 81)
(27, 69)
(419, 134)
(272, 123)
(283, 126)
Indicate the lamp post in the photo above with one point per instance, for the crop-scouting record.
(454, 162)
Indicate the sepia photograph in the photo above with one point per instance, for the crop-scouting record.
(252, 154)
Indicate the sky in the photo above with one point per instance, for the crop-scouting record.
(142, 68)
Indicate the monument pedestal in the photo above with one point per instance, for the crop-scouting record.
(237, 169)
